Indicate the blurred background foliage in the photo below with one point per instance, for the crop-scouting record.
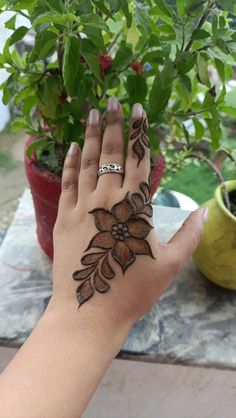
(175, 57)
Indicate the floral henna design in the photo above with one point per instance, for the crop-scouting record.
(121, 237)
(139, 135)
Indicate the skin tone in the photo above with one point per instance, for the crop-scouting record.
(61, 364)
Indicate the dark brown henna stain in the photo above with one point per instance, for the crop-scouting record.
(122, 233)
(84, 292)
(140, 136)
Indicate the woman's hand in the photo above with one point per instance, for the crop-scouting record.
(107, 255)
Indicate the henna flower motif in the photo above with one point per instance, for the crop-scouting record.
(122, 232)
(121, 236)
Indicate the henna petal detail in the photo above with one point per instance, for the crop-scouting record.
(100, 285)
(138, 149)
(92, 258)
(145, 127)
(134, 135)
(106, 269)
(104, 220)
(83, 274)
(138, 201)
(137, 123)
(103, 240)
(145, 141)
(139, 228)
(84, 292)
(139, 247)
(147, 210)
(145, 189)
(123, 210)
(123, 255)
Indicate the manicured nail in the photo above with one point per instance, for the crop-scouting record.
(137, 112)
(94, 116)
(113, 104)
(73, 150)
(205, 213)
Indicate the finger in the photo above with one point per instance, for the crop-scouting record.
(137, 167)
(186, 240)
(113, 144)
(91, 153)
(69, 184)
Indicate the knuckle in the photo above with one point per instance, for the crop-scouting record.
(111, 148)
(89, 163)
(93, 132)
(69, 182)
(114, 117)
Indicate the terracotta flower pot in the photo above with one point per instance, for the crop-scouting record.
(46, 189)
(216, 255)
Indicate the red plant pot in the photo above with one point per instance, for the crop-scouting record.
(46, 189)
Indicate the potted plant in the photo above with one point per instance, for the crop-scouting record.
(159, 53)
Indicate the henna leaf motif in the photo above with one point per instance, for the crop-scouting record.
(84, 292)
(138, 201)
(99, 284)
(88, 259)
(138, 149)
(147, 210)
(145, 189)
(106, 269)
(138, 123)
(83, 274)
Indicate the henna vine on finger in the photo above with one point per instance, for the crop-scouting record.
(139, 135)
(121, 237)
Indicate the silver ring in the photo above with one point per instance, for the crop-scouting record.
(110, 168)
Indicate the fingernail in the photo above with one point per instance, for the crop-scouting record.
(205, 213)
(73, 150)
(94, 116)
(113, 104)
(137, 112)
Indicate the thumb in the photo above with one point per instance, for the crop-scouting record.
(186, 240)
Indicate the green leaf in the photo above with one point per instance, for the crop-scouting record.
(159, 96)
(185, 62)
(52, 17)
(128, 15)
(202, 68)
(199, 129)
(226, 5)
(123, 58)
(220, 66)
(166, 10)
(228, 110)
(11, 23)
(168, 73)
(7, 53)
(45, 45)
(49, 92)
(91, 56)
(57, 5)
(181, 7)
(18, 124)
(9, 88)
(94, 21)
(101, 6)
(71, 63)
(136, 88)
(200, 34)
(18, 34)
(215, 27)
(38, 147)
(95, 36)
(29, 104)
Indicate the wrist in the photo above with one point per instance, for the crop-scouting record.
(94, 321)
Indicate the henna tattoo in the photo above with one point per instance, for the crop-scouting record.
(139, 135)
(121, 237)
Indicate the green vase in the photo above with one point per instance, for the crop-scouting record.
(216, 255)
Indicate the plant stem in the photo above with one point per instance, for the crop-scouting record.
(22, 14)
(218, 173)
(199, 25)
